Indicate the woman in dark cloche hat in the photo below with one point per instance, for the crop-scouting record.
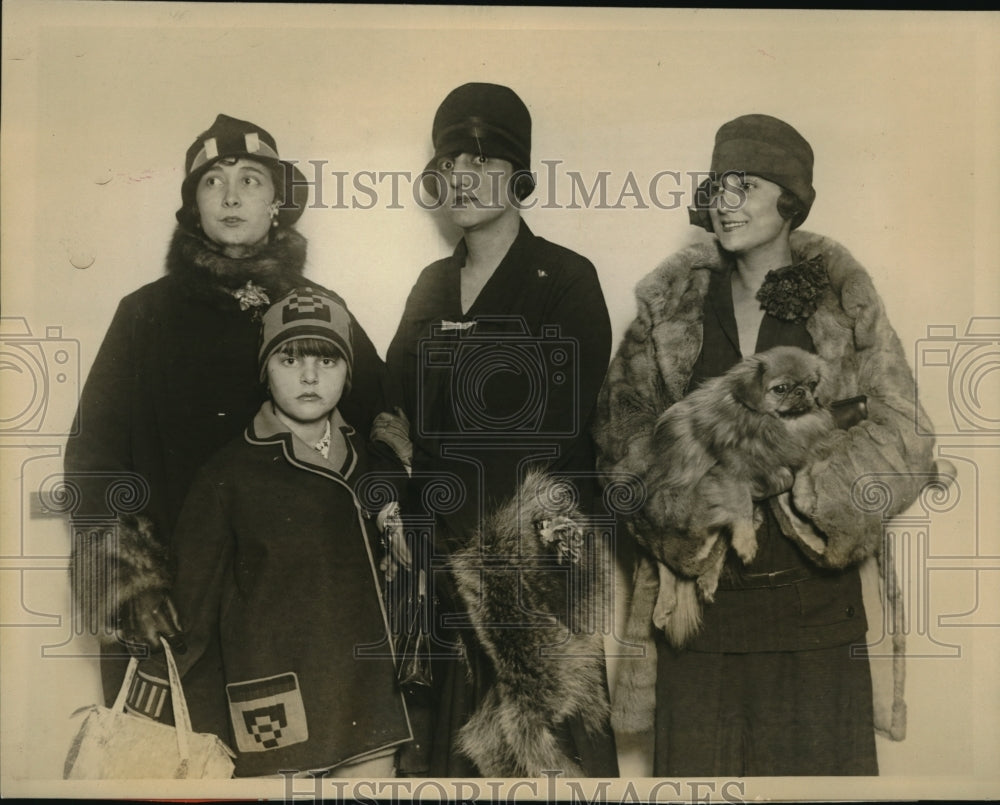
(497, 362)
(176, 378)
(770, 675)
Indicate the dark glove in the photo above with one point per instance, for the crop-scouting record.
(148, 617)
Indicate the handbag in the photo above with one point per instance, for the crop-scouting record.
(412, 640)
(112, 744)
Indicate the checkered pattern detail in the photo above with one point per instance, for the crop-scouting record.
(305, 306)
(267, 713)
(265, 724)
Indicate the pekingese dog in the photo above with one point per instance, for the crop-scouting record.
(740, 436)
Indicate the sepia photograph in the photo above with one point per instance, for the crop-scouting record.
(499, 402)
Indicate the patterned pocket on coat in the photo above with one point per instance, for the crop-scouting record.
(267, 713)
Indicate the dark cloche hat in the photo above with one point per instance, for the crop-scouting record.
(487, 119)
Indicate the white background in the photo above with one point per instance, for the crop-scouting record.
(100, 102)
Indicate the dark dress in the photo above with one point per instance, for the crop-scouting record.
(769, 685)
(509, 384)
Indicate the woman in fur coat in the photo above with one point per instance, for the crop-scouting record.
(776, 680)
(176, 378)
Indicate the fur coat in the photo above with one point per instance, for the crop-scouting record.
(852, 333)
(531, 582)
(175, 379)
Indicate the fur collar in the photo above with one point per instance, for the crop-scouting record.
(674, 295)
(204, 271)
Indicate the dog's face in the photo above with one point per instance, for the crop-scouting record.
(781, 382)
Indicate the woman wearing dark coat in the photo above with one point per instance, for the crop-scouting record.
(176, 378)
(776, 681)
(497, 361)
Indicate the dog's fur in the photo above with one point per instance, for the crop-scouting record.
(739, 437)
(530, 576)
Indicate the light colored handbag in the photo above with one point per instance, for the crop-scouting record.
(112, 744)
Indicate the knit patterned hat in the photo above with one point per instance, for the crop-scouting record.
(487, 119)
(232, 138)
(764, 146)
(306, 313)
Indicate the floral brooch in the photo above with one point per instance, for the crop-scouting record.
(252, 296)
(792, 293)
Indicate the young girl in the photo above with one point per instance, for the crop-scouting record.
(277, 585)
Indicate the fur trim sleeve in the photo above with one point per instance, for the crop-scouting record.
(649, 374)
(876, 469)
(111, 566)
(630, 401)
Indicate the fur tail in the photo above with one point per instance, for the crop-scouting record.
(505, 741)
(685, 620)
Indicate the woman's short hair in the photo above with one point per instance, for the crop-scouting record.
(791, 208)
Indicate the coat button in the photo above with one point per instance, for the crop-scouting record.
(849, 612)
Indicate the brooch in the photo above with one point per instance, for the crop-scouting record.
(792, 293)
(251, 296)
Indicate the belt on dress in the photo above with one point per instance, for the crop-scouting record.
(776, 578)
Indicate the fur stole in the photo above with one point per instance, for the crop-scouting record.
(532, 583)
(650, 373)
(203, 270)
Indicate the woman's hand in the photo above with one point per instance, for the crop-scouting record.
(397, 552)
(393, 429)
(148, 617)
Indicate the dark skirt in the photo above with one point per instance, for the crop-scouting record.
(764, 714)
